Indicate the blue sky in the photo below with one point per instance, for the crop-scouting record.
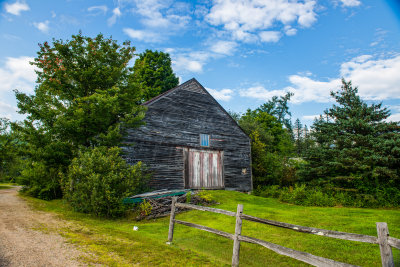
(244, 52)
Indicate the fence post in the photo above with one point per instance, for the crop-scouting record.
(386, 250)
(172, 221)
(238, 231)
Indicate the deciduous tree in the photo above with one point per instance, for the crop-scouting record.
(153, 74)
(84, 98)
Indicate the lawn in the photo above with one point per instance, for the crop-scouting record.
(113, 242)
(6, 185)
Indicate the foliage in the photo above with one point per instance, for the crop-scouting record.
(271, 145)
(84, 98)
(145, 208)
(298, 136)
(278, 107)
(99, 179)
(188, 197)
(205, 195)
(308, 195)
(9, 152)
(355, 147)
(153, 74)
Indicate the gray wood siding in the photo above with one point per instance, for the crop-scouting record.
(174, 121)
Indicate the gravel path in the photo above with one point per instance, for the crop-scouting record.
(20, 245)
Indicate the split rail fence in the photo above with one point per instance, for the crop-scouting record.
(383, 239)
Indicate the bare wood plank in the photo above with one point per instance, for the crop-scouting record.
(195, 207)
(386, 250)
(315, 231)
(207, 229)
(172, 221)
(298, 255)
(238, 232)
(394, 242)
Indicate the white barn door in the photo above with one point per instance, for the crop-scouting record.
(204, 169)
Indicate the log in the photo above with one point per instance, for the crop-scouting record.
(207, 229)
(394, 242)
(189, 206)
(298, 255)
(386, 250)
(316, 231)
(172, 221)
(238, 232)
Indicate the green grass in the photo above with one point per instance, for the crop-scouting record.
(113, 242)
(6, 185)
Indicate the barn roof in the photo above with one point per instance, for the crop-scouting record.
(195, 86)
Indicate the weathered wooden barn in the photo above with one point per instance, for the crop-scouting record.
(190, 141)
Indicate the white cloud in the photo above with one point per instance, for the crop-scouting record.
(16, 8)
(182, 63)
(394, 117)
(376, 79)
(162, 14)
(289, 31)
(42, 26)
(270, 36)
(224, 94)
(223, 47)
(244, 19)
(96, 10)
(259, 92)
(143, 35)
(17, 73)
(7, 111)
(350, 3)
(116, 14)
(310, 117)
(306, 89)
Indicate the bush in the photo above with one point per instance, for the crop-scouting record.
(327, 196)
(99, 179)
(40, 181)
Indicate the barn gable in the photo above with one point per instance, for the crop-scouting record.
(190, 141)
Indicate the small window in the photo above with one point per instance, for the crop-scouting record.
(204, 140)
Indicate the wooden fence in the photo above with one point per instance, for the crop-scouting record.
(383, 239)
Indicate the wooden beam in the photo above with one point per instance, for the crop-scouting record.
(172, 221)
(394, 242)
(298, 255)
(316, 231)
(238, 232)
(207, 229)
(195, 207)
(386, 250)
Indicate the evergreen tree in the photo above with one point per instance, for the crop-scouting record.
(356, 148)
(153, 74)
(298, 131)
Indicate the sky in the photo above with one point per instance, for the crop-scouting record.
(242, 51)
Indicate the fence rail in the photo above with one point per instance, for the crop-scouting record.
(383, 239)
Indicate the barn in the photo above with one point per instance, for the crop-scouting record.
(189, 141)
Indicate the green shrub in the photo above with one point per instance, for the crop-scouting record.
(206, 196)
(145, 208)
(307, 195)
(99, 179)
(40, 181)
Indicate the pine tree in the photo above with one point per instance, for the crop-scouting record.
(298, 132)
(356, 148)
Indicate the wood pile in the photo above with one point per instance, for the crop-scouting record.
(152, 208)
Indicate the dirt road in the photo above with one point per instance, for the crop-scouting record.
(21, 245)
